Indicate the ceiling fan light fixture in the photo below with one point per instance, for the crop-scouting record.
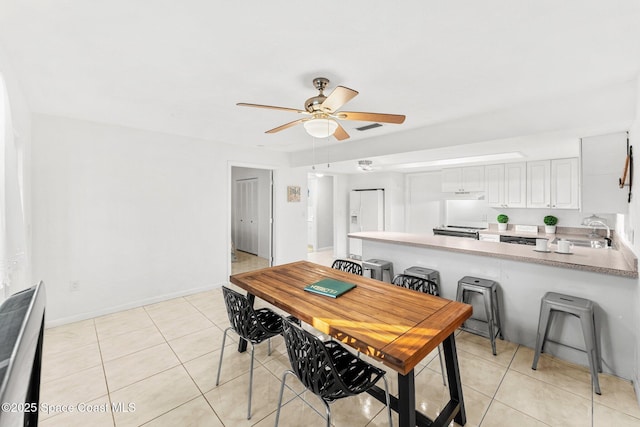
(321, 128)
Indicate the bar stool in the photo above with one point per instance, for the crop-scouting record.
(489, 291)
(377, 267)
(581, 308)
(424, 273)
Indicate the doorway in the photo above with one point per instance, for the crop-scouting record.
(251, 219)
(320, 222)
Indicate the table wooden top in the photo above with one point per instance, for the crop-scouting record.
(395, 325)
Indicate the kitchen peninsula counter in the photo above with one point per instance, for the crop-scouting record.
(609, 277)
(617, 262)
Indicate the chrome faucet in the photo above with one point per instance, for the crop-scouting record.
(593, 232)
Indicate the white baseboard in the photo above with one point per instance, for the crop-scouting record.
(50, 323)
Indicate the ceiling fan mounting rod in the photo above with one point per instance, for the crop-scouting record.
(320, 83)
(314, 104)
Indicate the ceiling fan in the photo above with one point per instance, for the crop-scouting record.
(321, 112)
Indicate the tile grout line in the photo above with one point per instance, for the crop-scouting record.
(145, 378)
(189, 373)
(493, 398)
(104, 372)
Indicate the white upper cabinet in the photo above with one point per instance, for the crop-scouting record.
(506, 185)
(494, 180)
(565, 185)
(455, 180)
(553, 184)
(539, 184)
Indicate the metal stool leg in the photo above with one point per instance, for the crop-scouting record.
(543, 326)
(488, 308)
(444, 374)
(589, 340)
(460, 294)
(390, 271)
(597, 338)
(496, 307)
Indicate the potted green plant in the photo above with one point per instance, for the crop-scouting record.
(550, 222)
(502, 222)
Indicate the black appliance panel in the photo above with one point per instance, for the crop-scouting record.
(518, 240)
(468, 232)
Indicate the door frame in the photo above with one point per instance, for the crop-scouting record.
(270, 211)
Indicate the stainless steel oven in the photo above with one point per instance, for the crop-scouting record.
(518, 240)
(458, 231)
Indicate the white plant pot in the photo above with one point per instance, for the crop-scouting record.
(502, 226)
(550, 229)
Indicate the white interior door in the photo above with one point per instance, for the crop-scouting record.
(246, 218)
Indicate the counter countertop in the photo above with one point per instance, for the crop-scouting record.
(618, 262)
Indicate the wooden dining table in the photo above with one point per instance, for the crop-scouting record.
(396, 326)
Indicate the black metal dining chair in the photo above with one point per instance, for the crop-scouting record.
(426, 286)
(252, 325)
(327, 369)
(348, 266)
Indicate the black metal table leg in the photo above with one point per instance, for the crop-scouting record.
(453, 376)
(405, 403)
(407, 399)
(242, 345)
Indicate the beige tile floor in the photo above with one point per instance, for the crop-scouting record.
(157, 365)
(247, 262)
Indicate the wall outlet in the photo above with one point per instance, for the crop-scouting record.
(74, 286)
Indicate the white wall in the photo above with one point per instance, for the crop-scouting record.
(324, 212)
(290, 229)
(341, 191)
(129, 216)
(425, 202)
(629, 225)
(15, 270)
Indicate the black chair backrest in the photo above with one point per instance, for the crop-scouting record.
(242, 317)
(311, 363)
(417, 284)
(252, 325)
(348, 266)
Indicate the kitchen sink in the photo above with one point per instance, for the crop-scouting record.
(591, 243)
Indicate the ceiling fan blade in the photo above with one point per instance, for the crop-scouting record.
(271, 107)
(340, 133)
(370, 117)
(286, 126)
(340, 96)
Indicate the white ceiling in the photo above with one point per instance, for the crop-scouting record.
(180, 67)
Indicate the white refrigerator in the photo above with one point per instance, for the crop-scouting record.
(366, 213)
